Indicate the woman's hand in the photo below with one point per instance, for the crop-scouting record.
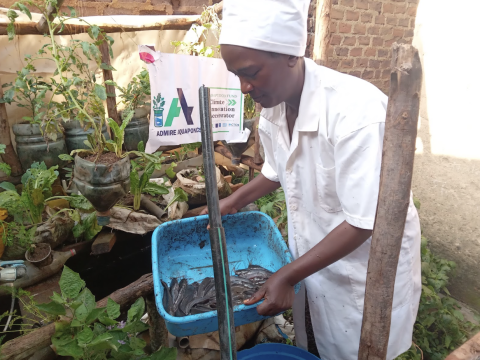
(227, 206)
(278, 295)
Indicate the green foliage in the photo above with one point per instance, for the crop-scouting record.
(249, 111)
(209, 21)
(185, 149)
(115, 146)
(137, 92)
(27, 208)
(83, 331)
(179, 195)
(4, 167)
(74, 78)
(440, 326)
(140, 184)
(274, 205)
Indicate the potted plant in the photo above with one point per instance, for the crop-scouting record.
(136, 96)
(102, 170)
(25, 210)
(37, 137)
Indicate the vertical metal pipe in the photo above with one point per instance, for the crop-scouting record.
(226, 326)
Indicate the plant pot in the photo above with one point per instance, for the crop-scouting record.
(137, 130)
(103, 185)
(237, 149)
(32, 146)
(42, 255)
(75, 134)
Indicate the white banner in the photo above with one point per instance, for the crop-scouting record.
(174, 83)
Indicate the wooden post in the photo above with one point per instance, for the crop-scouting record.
(107, 75)
(251, 174)
(322, 32)
(393, 200)
(10, 157)
(42, 25)
(157, 330)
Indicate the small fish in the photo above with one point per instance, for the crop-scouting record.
(174, 287)
(201, 289)
(200, 309)
(181, 293)
(167, 299)
(196, 301)
(189, 296)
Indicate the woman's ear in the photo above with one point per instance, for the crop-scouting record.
(292, 61)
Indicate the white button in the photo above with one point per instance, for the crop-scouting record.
(293, 207)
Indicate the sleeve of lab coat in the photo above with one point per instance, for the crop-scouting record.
(358, 158)
(269, 166)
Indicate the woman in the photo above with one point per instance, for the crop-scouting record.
(323, 133)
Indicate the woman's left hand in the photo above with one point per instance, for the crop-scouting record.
(278, 295)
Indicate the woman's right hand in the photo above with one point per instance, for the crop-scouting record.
(227, 206)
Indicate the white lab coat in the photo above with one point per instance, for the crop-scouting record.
(330, 173)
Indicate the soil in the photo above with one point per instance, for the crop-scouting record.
(40, 252)
(104, 159)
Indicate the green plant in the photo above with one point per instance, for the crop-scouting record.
(185, 149)
(84, 331)
(28, 91)
(83, 96)
(141, 183)
(209, 21)
(4, 167)
(27, 208)
(249, 111)
(440, 326)
(274, 205)
(137, 92)
(179, 195)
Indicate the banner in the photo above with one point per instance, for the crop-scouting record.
(175, 115)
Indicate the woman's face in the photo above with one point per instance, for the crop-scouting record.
(263, 75)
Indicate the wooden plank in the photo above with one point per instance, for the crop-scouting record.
(10, 157)
(168, 23)
(107, 75)
(393, 200)
(322, 31)
(246, 160)
(27, 345)
(104, 242)
(468, 351)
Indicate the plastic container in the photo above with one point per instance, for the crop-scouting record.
(32, 146)
(275, 351)
(137, 130)
(75, 134)
(181, 249)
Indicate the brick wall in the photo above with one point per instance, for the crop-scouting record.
(131, 7)
(362, 33)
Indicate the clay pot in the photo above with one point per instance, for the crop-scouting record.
(103, 185)
(44, 260)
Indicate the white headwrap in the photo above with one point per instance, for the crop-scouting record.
(278, 26)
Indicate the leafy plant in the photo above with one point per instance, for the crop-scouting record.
(249, 111)
(185, 149)
(28, 91)
(83, 96)
(440, 326)
(137, 92)
(4, 167)
(209, 21)
(274, 205)
(84, 331)
(141, 183)
(179, 195)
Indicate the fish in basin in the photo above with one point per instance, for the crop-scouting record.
(182, 299)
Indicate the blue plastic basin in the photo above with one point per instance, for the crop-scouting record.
(181, 249)
(275, 351)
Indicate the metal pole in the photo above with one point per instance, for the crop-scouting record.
(226, 326)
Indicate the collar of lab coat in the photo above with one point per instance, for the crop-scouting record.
(309, 112)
